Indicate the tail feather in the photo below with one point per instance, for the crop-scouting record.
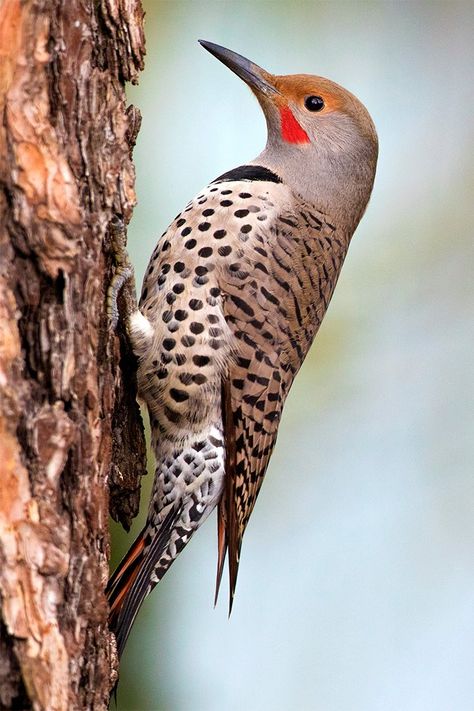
(124, 574)
(221, 546)
(230, 539)
(131, 582)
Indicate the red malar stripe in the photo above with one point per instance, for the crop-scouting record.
(291, 131)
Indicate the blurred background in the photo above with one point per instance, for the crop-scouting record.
(356, 586)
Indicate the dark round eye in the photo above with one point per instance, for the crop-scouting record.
(314, 103)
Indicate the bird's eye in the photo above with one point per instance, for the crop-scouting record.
(314, 103)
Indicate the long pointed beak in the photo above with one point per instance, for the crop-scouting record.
(257, 78)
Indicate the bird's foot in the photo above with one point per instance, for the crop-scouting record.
(124, 275)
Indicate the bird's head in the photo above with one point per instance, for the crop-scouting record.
(321, 138)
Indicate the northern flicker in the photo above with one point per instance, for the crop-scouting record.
(233, 296)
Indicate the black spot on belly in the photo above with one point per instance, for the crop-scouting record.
(201, 360)
(179, 395)
(196, 328)
(195, 304)
(172, 415)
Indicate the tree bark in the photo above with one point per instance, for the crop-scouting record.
(69, 423)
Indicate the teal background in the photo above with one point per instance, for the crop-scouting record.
(356, 587)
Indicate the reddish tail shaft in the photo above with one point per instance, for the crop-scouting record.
(118, 592)
(137, 575)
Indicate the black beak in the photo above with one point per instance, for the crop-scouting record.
(253, 75)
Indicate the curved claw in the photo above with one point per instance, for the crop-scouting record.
(124, 273)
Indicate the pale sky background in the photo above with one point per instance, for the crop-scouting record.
(356, 586)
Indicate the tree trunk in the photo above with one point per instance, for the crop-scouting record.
(68, 414)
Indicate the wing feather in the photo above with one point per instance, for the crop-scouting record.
(273, 307)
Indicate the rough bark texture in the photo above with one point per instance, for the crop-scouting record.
(67, 392)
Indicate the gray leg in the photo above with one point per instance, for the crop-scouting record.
(124, 275)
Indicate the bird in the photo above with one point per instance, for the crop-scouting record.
(232, 298)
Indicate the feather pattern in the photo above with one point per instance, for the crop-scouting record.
(233, 296)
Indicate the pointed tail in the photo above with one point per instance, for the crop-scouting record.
(132, 580)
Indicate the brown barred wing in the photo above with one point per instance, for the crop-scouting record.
(252, 400)
(273, 306)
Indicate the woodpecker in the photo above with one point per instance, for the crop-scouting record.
(233, 296)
